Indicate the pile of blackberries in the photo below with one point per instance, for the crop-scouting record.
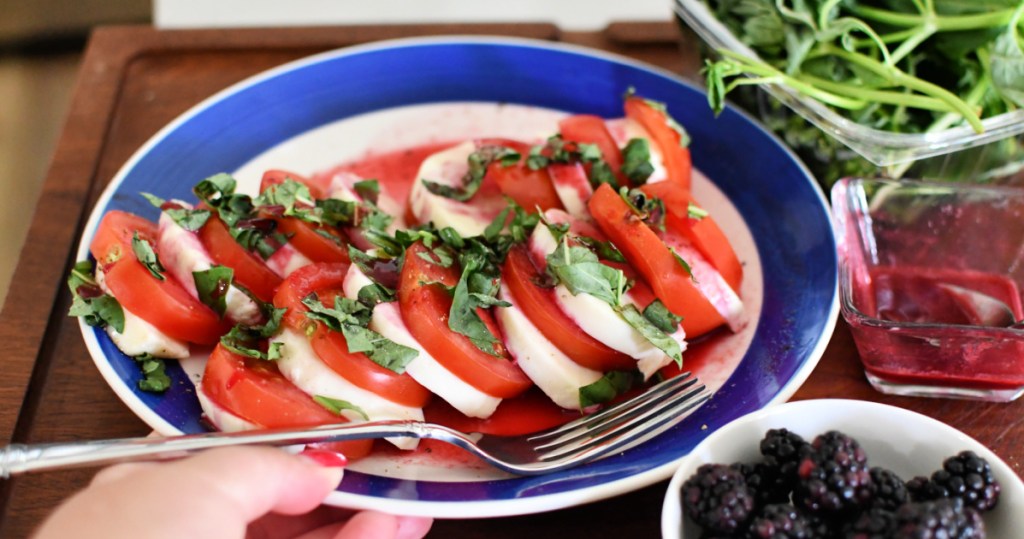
(825, 488)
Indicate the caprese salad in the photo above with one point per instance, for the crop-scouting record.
(518, 284)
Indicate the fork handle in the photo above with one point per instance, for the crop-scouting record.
(22, 458)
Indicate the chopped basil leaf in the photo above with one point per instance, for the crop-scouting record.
(439, 256)
(494, 229)
(337, 212)
(336, 406)
(651, 210)
(254, 233)
(247, 340)
(187, 218)
(605, 250)
(154, 376)
(380, 349)
(477, 288)
(258, 235)
(367, 190)
(212, 285)
(452, 237)
(362, 260)
(107, 309)
(695, 212)
(659, 315)
(478, 163)
(147, 256)
(351, 318)
(536, 160)
(291, 198)
(409, 236)
(519, 228)
(581, 272)
(345, 311)
(375, 293)
(374, 220)
(611, 385)
(589, 153)
(89, 302)
(683, 263)
(636, 161)
(215, 189)
(558, 230)
(652, 333)
(601, 172)
(560, 151)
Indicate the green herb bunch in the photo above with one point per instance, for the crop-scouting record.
(906, 66)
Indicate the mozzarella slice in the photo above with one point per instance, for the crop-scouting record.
(183, 254)
(573, 188)
(302, 367)
(448, 168)
(652, 363)
(557, 375)
(425, 369)
(623, 129)
(222, 418)
(286, 260)
(594, 316)
(139, 336)
(710, 282)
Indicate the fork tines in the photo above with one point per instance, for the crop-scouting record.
(622, 424)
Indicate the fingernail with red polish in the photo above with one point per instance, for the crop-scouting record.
(325, 458)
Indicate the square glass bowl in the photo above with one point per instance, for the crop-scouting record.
(956, 153)
(930, 278)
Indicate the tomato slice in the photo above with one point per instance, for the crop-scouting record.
(165, 304)
(703, 233)
(332, 348)
(318, 243)
(674, 155)
(256, 391)
(531, 189)
(540, 307)
(317, 189)
(250, 271)
(590, 129)
(655, 262)
(425, 306)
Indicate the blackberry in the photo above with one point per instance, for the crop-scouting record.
(968, 477)
(717, 498)
(833, 477)
(783, 449)
(888, 491)
(923, 489)
(875, 523)
(946, 518)
(783, 521)
(768, 485)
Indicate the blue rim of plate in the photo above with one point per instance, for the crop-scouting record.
(776, 195)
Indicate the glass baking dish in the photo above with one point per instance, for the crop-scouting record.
(931, 278)
(894, 151)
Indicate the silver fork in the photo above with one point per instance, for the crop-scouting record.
(583, 440)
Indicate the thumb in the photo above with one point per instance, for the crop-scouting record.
(214, 494)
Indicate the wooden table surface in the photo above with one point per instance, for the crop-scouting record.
(133, 81)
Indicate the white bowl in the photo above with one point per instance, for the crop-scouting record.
(905, 442)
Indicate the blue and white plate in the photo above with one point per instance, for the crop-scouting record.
(313, 113)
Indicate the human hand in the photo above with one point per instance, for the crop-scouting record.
(223, 493)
